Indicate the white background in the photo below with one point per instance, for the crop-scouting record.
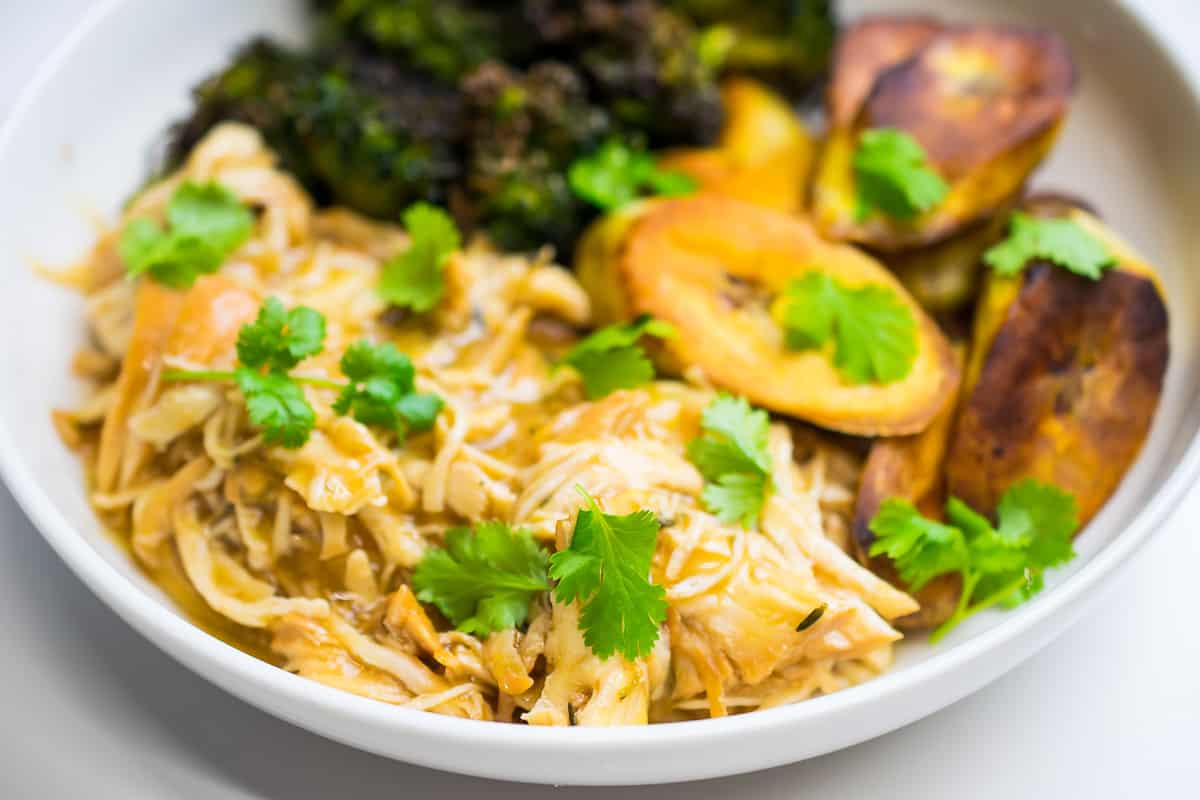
(89, 709)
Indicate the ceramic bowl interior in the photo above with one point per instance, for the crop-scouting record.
(80, 143)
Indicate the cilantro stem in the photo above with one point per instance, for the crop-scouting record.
(175, 375)
(963, 612)
(220, 376)
(320, 383)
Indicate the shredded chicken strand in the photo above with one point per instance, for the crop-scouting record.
(306, 554)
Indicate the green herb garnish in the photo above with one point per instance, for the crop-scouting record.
(1061, 241)
(280, 339)
(731, 453)
(617, 174)
(483, 581)
(893, 176)
(276, 404)
(873, 330)
(382, 390)
(205, 223)
(414, 278)
(611, 359)
(1000, 564)
(607, 568)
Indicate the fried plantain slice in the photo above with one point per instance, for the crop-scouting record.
(1064, 379)
(867, 49)
(946, 277)
(984, 102)
(911, 468)
(712, 266)
(765, 153)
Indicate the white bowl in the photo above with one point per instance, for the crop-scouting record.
(78, 141)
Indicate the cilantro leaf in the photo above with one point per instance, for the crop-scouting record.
(419, 411)
(143, 247)
(920, 548)
(893, 175)
(205, 223)
(991, 552)
(731, 453)
(277, 405)
(483, 581)
(611, 359)
(617, 174)
(275, 342)
(741, 430)
(607, 568)
(873, 330)
(736, 496)
(382, 389)
(414, 278)
(280, 338)
(1001, 564)
(1045, 516)
(1061, 241)
(210, 212)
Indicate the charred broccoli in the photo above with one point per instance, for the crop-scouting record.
(642, 61)
(787, 42)
(447, 38)
(525, 129)
(356, 131)
(380, 137)
(258, 88)
(483, 105)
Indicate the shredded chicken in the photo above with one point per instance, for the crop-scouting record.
(309, 552)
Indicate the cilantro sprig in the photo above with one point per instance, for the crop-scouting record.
(617, 173)
(607, 568)
(413, 279)
(483, 580)
(893, 176)
(611, 359)
(275, 403)
(277, 340)
(731, 453)
(381, 390)
(1001, 564)
(205, 223)
(280, 338)
(1061, 241)
(873, 330)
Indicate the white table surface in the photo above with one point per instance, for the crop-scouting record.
(91, 710)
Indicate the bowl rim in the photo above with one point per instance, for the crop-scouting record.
(218, 662)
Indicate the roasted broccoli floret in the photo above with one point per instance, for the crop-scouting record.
(480, 105)
(355, 130)
(525, 129)
(380, 145)
(643, 63)
(258, 88)
(787, 42)
(447, 38)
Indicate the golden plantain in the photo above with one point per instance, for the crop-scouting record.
(765, 153)
(946, 277)
(985, 102)
(911, 468)
(866, 50)
(1064, 378)
(712, 266)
